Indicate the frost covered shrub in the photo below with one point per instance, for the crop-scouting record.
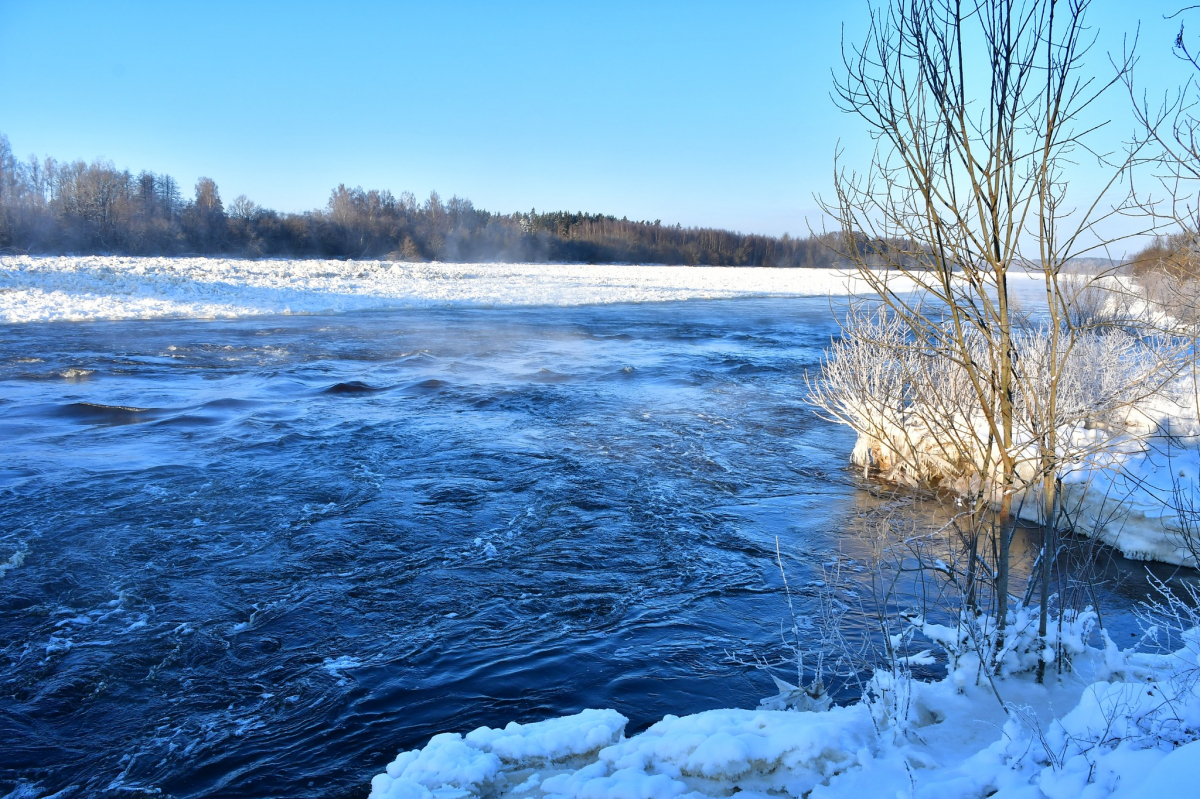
(1095, 302)
(919, 415)
(977, 648)
(1102, 379)
(910, 410)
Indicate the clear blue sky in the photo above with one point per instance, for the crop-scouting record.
(700, 113)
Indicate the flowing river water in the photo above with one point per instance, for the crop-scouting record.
(257, 557)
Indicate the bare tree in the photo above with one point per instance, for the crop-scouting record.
(1168, 270)
(979, 110)
(243, 208)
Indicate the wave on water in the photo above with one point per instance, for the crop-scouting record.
(96, 413)
(352, 387)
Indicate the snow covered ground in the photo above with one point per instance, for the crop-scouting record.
(1121, 725)
(36, 289)
(1141, 492)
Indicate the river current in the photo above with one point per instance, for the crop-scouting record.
(257, 557)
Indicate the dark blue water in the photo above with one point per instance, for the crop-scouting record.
(258, 557)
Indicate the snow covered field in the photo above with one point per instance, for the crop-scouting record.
(1121, 725)
(34, 289)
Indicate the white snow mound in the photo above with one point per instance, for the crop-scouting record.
(453, 766)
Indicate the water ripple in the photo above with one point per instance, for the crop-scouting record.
(255, 558)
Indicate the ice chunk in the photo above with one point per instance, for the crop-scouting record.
(552, 740)
(450, 765)
(446, 762)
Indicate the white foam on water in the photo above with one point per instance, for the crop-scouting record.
(15, 561)
(335, 667)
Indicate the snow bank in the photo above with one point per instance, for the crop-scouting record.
(487, 760)
(1132, 488)
(1121, 725)
(1138, 495)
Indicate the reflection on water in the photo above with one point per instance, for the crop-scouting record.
(255, 558)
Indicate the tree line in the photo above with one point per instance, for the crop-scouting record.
(51, 207)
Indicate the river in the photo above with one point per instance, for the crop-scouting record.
(257, 557)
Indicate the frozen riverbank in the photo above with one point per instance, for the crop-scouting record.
(1121, 725)
(1133, 488)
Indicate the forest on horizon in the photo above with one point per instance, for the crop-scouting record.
(54, 208)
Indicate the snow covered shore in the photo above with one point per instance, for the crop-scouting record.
(1121, 724)
(1132, 488)
(1127, 428)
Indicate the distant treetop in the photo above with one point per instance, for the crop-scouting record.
(48, 207)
